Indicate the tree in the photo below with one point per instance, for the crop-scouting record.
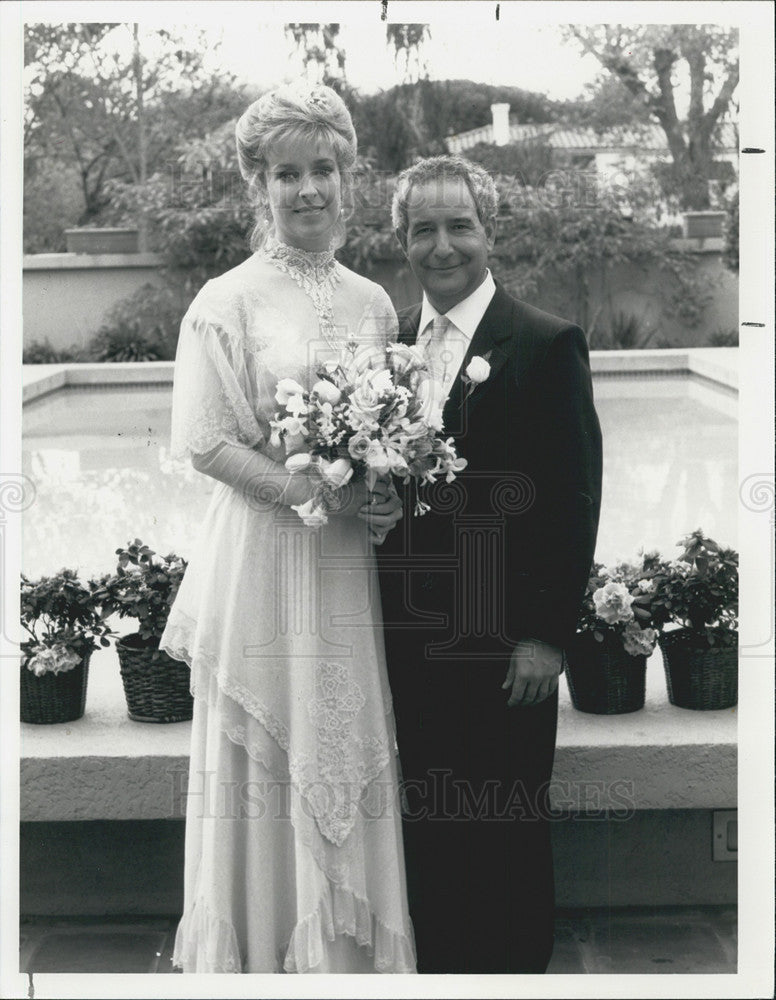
(321, 52)
(105, 113)
(607, 103)
(409, 41)
(648, 60)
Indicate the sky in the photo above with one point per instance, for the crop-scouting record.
(531, 56)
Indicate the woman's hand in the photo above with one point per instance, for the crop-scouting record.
(382, 511)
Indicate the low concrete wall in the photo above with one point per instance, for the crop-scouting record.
(67, 296)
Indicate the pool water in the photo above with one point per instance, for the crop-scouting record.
(100, 464)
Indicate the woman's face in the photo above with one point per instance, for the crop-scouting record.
(304, 189)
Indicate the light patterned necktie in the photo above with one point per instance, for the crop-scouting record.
(437, 353)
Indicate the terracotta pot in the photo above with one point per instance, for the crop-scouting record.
(96, 241)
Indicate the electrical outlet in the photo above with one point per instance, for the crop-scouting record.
(724, 843)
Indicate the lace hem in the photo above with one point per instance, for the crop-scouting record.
(340, 911)
(331, 786)
(205, 942)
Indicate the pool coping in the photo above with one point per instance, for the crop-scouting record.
(715, 365)
(106, 766)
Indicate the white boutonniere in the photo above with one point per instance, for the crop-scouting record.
(477, 371)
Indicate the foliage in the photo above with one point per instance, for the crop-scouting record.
(529, 162)
(730, 251)
(397, 126)
(199, 214)
(607, 103)
(619, 602)
(625, 331)
(723, 338)
(699, 591)
(98, 115)
(568, 227)
(41, 352)
(647, 59)
(142, 327)
(59, 610)
(143, 587)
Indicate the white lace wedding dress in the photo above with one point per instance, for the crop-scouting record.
(294, 856)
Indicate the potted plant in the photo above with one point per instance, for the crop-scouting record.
(698, 594)
(607, 660)
(65, 623)
(143, 587)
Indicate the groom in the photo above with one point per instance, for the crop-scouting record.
(481, 594)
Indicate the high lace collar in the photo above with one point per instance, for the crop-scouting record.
(304, 265)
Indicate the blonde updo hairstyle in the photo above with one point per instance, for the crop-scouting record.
(294, 111)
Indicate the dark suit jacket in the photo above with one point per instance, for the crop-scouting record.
(505, 553)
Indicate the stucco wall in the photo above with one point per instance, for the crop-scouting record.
(66, 296)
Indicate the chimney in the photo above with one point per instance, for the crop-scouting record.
(500, 114)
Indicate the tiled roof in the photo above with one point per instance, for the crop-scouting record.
(576, 138)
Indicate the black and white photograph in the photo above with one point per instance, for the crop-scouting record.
(387, 499)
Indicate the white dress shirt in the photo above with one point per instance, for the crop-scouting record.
(464, 318)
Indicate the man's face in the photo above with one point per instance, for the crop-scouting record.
(447, 245)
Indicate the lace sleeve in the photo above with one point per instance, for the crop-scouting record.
(378, 323)
(213, 391)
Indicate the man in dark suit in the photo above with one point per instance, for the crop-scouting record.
(481, 594)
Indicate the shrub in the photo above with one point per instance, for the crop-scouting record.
(142, 327)
(40, 352)
(60, 612)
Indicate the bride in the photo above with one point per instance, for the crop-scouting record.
(293, 837)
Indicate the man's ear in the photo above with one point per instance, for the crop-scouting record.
(490, 228)
(401, 236)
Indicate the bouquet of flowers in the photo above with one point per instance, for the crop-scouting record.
(621, 601)
(374, 412)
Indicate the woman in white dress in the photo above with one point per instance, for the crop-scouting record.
(294, 856)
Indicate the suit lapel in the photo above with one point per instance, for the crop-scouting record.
(491, 338)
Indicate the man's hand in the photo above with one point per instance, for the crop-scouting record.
(382, 511)
(533, 673)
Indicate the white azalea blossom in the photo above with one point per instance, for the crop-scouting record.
(613, 603)
(57, 659)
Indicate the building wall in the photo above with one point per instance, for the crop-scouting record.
(655, 858)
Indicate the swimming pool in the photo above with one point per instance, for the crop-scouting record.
(98, 457)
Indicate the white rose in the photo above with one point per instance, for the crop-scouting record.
(286, 388)
(327, 392)
(376, 459)
(312, 515)
(298, 462)
(477, 370)
(336, 473)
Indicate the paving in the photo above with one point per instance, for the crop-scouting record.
(655, 940)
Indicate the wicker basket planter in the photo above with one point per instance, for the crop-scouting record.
(157, 688)
(603, 679)
(704, 678)
(52, 698)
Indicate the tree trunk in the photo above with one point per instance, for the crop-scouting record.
(142, 221)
